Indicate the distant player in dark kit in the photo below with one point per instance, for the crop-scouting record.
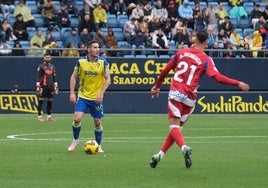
(46, 86)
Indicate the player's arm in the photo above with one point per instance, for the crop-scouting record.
(39, 79)
(215, 74)
(72, 86)
(229, 81)
(156, 88)
(56, 86)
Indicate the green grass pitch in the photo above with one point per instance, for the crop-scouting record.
(228, 151)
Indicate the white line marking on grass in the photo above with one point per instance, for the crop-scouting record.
(146, 139)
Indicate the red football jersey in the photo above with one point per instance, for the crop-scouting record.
(189, 65)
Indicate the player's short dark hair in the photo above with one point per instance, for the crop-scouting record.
(89, 44)
(47, 53)
(202, 35)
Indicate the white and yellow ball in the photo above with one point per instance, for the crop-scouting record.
(91, 147)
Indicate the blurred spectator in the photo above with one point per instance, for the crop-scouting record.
(160, 11)
(40, 4)
(178, 27)
(215, 51)
(49, 16)
(236, 40)
(257, 42)
(15, 89)
(255, 14)
(17, 49)
(199, 21)
(137, 12)
(72, 36)
(7, 6)
(7, 28)
(82, 49)
(100, 16)
(111, 42)
(147, 9)
(222, 39)
(129, 29)
(246, 52)
(173, 14)
(186, 14)
(160, 42)
(86, 11)
(142, 24)
(25, 11)
(211, 38)
(229, 53)
(167, 29)
(121, 7)
(98, 36)
(221, 13)
(72, 52)
(36, 43)
(5, 49)
(263, 51)
(53, 49)
(71, 7)
(262, 27)
(233, 3)
(93, 3)
(227, 26)
(86, 22)
(138, 41)
(238, 12)
(212, 20)
(265, 13)
(20, 28)
(48, 38)
(182, 39)
(63, 18)
(108, 5)
(85, 36)
(38, 39)
(154, 24)
(249, 40)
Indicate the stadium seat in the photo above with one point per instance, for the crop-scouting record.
(244, 23)
(240, 31)
(247, 31)
(56, 35)
(122, 19)
(11, 19)
(112, 21)
(119, 35)
(79, 5)
(234, 21)
(214, 4)
(39, 20)
(74, 21)
(249, 6)
(31, 31)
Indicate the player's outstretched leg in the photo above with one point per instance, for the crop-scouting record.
(187, 151)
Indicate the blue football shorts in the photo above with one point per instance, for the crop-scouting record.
(96, 109)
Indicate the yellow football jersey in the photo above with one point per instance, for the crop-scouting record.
(91, 77)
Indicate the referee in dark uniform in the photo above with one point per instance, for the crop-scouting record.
(46, 86)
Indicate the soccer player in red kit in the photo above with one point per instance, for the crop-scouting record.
(189, 65)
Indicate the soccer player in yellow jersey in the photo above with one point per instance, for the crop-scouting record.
(94, 78)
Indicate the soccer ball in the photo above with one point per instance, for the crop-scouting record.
(91, 147)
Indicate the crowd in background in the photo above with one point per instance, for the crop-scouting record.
(161, 25)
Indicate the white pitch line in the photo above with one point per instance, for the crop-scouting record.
(119, 139)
